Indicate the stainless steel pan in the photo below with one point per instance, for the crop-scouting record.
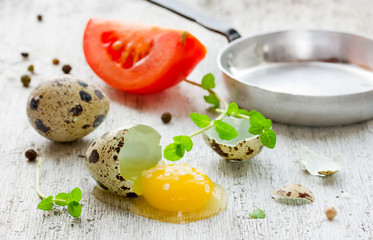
(308, 77)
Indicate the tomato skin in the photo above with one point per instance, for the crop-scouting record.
(151, 59)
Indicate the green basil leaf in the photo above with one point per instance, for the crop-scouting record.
(225, 131)
(212, 99)
(232, 109)
(185, 141)
(62, 196)
(259, 213)
(200, 120)
(208, 81)
(174, 151)
(46, 204)
(75, 209)
(268, 138)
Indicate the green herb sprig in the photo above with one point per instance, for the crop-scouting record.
(259, 124)
(71, 200)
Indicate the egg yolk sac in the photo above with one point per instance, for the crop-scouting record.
(176, 188)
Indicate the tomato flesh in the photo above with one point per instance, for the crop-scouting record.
(138, 58)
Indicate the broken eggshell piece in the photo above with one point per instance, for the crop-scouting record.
(241, 148)
(117, 158)
(319, 165)
(293, 194)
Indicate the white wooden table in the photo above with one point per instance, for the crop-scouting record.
(249, 185)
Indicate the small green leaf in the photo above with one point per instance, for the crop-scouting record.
(267, 124)
(46, 204)
(268, 138)
(256, 118)
(75, 195)
(208, 81)
(75, 209)
(185, 141)
(225, 131)
(232, 109)
(200, 120)
(259, 213)
(212, 99)
(243, 112)
(174, 151)
(62, 196)
(256, 130)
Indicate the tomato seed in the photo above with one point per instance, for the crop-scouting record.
(117, 45)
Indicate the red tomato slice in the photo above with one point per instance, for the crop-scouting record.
(138, 58)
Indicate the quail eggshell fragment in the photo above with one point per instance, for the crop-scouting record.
(241, 148)
(65, 109)
(293, 194)
(117, 159)
(319, 165)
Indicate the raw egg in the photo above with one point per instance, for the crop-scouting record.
(127, 162)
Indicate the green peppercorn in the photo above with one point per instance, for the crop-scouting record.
(25, 79)
(31, 68)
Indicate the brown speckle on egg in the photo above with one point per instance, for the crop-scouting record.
(99, 94)
(94, 157)
(34, 103)
(86, 97)
(40, 126)
(98, 120)
(102, 185)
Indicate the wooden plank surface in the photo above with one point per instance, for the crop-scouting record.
(249, 185)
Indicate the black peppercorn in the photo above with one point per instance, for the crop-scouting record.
(40, 18)
(66, 69)
(166, 117)
(24, 54)
(31, 154)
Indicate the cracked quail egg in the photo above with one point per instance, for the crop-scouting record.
(127, 162)
(65, 109)
(241, 148)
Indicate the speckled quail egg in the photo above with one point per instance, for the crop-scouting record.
(293, 194)
(127, 162)
(65, 109)
(241, 148)
(137, 145)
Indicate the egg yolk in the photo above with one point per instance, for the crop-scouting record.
(176, 187)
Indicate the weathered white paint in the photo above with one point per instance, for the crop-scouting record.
(249, 184)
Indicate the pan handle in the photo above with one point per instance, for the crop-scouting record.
(202, 19)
